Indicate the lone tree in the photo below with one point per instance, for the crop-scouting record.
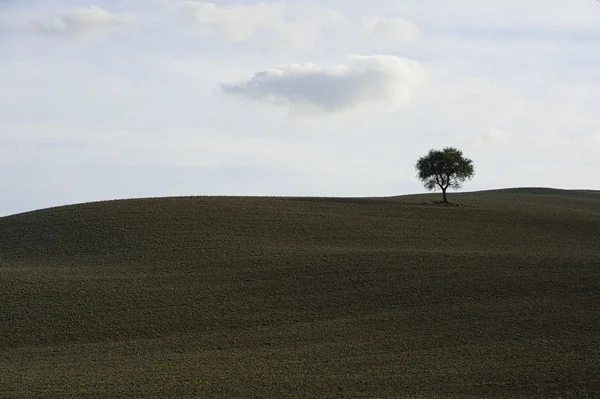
(443, 169)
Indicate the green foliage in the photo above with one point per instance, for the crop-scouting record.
(445, 169)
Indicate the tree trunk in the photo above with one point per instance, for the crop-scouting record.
(444, 194)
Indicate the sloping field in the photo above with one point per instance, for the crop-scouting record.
(496, 296)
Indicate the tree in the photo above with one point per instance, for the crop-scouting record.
(443, 169)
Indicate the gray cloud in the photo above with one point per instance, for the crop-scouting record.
(383, 79)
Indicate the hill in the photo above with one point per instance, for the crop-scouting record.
(496, 296)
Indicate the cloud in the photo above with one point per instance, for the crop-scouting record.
(241, 23)
(237, 23)
(292, 25)
(389, 28)
(383, 79)
(82, 22)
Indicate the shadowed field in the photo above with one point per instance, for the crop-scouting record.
(497, 295)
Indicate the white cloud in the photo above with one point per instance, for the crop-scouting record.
(237, 23)
(286, 25)
(383, 79)
(82, 22)
(389, 28)
(241, 23)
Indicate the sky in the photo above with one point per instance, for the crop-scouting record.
(151, 98)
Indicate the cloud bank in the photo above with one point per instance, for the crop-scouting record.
(383, 79)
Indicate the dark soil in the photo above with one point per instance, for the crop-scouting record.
(496, 296)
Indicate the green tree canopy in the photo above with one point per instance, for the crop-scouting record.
(443, 169)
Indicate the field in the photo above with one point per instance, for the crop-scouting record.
(496, 295)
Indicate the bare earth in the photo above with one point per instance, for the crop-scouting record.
(496, 296)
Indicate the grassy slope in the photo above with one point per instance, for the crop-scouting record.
(286, 297)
